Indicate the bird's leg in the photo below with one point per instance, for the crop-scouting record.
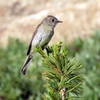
(48, 50)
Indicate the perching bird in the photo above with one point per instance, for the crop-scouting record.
(40, 38)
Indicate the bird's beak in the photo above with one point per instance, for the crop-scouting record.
(59, 21)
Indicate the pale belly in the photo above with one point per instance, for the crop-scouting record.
(46, 39)
(42, 39)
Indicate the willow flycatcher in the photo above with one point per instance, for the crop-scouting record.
(40, 38)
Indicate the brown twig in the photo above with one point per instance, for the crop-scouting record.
(62, 92)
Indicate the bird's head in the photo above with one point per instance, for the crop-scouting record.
(51, 21)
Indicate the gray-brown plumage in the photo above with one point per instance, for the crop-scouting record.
(40, 38)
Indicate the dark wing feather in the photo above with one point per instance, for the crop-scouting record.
(30, 44)
(29, 48)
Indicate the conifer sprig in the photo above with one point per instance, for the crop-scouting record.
(62, 73)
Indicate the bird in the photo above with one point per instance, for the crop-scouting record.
(41, 37)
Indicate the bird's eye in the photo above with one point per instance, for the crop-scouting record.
(53, 20)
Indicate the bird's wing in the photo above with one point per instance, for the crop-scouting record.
(29, 48)
(30, 44)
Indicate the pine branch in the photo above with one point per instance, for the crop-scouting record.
(62, 73)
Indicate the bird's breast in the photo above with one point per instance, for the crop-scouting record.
(42, 37)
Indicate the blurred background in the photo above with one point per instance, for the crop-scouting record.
(80, 30)
(19, 18)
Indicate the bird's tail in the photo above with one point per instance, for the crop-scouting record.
(26, 64)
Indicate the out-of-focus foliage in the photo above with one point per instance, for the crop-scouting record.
(88, 51)
(13, 85)
(34, 86)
